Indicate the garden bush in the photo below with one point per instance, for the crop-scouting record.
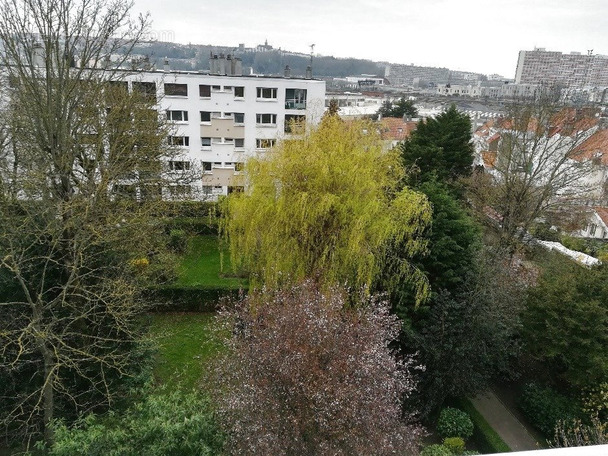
(435, 450)
(544, 232)
(454, 423)
(169, 423)
(178, 240)
(454, 444)
(484, 436)
(544, 407)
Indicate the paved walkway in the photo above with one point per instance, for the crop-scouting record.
(504, 423)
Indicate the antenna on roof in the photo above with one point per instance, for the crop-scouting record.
(590, 52)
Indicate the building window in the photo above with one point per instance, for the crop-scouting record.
(206, 142)
(180, 190)
(239, 117)
(179, 140)
(266, 119)
(204, 90)
(235, 189)
(294, 123)
(239, 142)
(147, 89)
(205, 116)
(177, 116)
(207, 189)
(179, 165)
(239, 91)
(264, 143)
(267, 92)
(207, 166)
(176, 90)
(295, 98)
(592, 229)
(238, 166)
(216, 88)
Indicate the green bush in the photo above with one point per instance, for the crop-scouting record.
(435, 450)
(454, 423)
(484, 436)
(544, 407)
(162, 424)
(454, 444)
(574, 243)
(544, 232)
(178, 240)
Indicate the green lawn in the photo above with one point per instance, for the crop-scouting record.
(187, 343)
(201, 266)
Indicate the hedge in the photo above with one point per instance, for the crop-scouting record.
(188, 299)
(484, 436)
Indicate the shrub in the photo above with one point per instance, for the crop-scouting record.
(544, 232)
(574, 243)
(454, 444)
(454, 423)
(139, 264)
(161, 424)
(435, 450)
(544, 407)
(484, 436)
(178, 240)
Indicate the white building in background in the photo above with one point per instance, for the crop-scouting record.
(222, 119)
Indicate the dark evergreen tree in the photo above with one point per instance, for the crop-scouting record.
(441, 147)
(401, 108)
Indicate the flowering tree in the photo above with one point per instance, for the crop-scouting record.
(309, 375)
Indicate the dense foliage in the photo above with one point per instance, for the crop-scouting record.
(565, 323)
(161, 424)
(327, 205)
(400, 108)
(545, 408)
(441, 146)
(454, 423)
(308, 374)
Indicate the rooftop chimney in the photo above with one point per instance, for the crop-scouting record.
(166, 66)
(308, 72)
(287, 71)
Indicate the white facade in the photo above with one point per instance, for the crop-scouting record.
(221, 120)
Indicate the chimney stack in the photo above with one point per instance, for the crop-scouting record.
(166, 66)
(287, 71)
(308, 72)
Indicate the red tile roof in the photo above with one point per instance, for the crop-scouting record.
(396, 129)
(596, 146)
(602, 212)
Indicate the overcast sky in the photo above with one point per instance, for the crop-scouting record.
(471, 35)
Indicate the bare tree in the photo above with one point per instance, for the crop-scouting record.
(309, 375)
(73, 249)
(535, 165)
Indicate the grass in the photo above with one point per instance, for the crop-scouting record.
(187, 343)
(485, 437)
(202, 265)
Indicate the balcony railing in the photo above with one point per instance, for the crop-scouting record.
(295, 104)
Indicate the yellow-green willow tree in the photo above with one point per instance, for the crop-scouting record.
(328, 205)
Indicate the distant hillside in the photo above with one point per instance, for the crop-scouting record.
(270, 61)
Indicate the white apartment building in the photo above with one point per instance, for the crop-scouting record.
(221, 120)
(570, 70)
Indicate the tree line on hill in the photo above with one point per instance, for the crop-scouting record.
(271, 62)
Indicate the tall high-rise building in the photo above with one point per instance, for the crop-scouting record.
(555, 68)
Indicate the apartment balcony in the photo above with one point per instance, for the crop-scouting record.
(295, 104)
(223, 128)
